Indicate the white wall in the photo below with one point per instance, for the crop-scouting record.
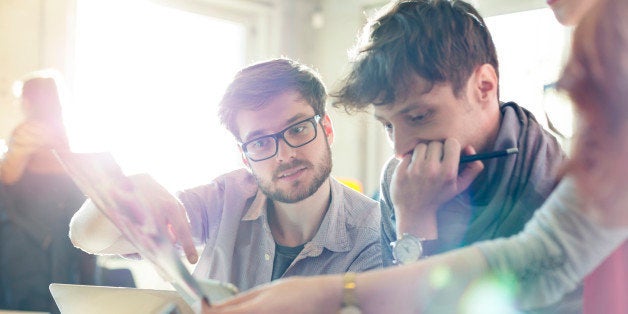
(361, 147)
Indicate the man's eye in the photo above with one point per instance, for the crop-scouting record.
(297, 129)
(259, 144)
(387, 126)
(420, 118)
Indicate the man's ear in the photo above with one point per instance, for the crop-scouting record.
(485, 84)
(245, 160)
(328, 128)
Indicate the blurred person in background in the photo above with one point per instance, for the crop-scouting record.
(37, 201)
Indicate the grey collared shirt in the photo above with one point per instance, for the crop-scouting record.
(229, 217)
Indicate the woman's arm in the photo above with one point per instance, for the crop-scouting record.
(558, 247)
(423, 286)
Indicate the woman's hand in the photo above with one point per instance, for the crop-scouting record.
(320, 294)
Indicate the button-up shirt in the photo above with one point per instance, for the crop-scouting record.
(229, 216)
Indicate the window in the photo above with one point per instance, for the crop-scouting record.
(147, 77)
(531, 47)
(147, 81)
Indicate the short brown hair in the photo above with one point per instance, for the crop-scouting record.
(438, 40)
(254, 86)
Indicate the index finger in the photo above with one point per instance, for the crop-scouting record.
(451, 153)
(181, 228)
(168, 213)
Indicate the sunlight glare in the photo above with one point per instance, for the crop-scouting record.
(146, 86)
(493, 294)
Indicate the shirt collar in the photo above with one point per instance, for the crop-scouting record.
(332, 233)
(257, 207)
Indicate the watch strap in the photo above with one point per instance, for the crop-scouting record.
(431, 247)
(349, 299)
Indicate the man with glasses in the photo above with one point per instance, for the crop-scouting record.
(283, 215)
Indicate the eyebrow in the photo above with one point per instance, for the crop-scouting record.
(409, 108)
(262, 132)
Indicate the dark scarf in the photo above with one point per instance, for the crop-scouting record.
(509, 190)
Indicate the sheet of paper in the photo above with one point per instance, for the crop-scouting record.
(79, 299)
(96, 174)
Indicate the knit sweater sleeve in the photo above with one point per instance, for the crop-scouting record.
(555, 251)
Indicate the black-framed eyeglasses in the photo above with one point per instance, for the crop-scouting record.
(295, 135)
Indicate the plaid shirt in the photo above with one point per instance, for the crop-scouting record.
(229, 217)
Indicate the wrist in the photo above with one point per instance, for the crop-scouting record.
(422, 226)
(349, 303)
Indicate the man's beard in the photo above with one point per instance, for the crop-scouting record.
(300, 192)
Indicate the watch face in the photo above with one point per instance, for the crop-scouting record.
(407, 250)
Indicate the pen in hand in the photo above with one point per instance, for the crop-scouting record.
(495, 154)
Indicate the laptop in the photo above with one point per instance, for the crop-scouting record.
(80, 299)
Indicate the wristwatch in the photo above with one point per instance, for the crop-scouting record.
(349, 300)
(407, 249)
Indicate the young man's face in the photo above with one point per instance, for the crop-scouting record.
(436, 115)
(293, 174)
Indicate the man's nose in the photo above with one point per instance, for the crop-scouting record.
(284, 151)
(403, 142)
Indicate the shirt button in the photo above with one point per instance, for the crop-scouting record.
(267, 256)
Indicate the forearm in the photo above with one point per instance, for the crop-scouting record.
(413, 217)
(415, 288)
(432, 285)
(556, 250)
(92, 232)
(423, 226)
